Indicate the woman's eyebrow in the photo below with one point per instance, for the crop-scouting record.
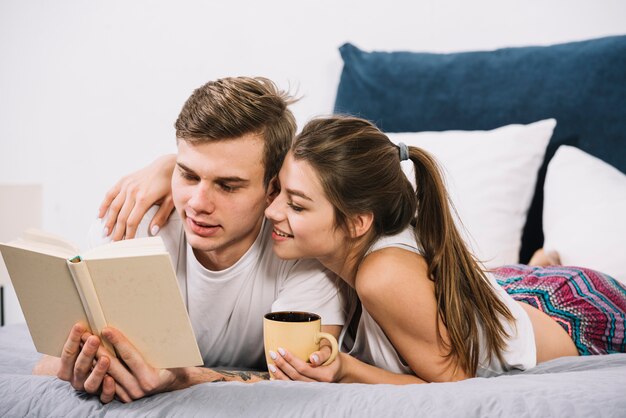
(298, 193)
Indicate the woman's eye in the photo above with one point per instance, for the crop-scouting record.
(295, 208)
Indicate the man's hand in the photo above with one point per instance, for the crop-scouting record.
(89, 367)
(139, 379)
(79, 366)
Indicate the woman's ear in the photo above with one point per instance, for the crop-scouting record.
(360, 224)
(273, 189)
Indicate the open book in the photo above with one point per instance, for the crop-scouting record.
(130, 285)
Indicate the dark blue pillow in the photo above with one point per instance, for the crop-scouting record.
(580, 84)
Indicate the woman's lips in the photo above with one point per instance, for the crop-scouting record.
(279, 235)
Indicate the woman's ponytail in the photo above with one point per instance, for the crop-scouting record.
(465, 298)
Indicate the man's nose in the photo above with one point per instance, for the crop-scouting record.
(202, 199)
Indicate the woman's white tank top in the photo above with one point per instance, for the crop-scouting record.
(372, 346)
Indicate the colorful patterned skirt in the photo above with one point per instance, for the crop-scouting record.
(589, 305)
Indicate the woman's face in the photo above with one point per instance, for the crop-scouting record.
(303, 218)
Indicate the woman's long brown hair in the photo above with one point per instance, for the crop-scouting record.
(359, 168)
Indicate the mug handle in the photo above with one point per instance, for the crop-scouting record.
(333, 345)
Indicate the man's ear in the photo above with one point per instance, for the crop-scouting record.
(273, 188)
(360, 224)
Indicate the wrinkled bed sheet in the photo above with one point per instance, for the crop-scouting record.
(568, 387)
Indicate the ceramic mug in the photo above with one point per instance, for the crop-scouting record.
(297, 332)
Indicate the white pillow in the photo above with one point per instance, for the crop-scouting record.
(491, 177)
(584, 212)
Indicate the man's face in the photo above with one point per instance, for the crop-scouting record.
(219, 194)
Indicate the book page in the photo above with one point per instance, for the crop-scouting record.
(40, 241)
(47, 295)
(140, 296)
(126, 248)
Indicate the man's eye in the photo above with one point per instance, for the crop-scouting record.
(188, 176)
(228, 188)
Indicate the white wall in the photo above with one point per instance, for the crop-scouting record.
(89, 90)
(13, 220)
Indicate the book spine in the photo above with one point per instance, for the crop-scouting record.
(89, 298)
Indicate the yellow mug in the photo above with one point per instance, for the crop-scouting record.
(297, 332)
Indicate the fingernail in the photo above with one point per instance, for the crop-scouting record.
(154, 230)
(273, 355)
(281, 351)
(315, 359)
(271, 368)
(105, 232)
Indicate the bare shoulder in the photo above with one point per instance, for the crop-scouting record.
(395, 289)
(390, 272)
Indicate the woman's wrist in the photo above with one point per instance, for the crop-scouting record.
(166, 163)
(343, 374)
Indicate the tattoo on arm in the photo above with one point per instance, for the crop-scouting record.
(242, 375)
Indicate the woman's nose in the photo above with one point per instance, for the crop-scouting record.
(273, 212)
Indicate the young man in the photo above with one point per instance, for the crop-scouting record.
(232, 136)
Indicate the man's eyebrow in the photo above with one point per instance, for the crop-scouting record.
(227, 179)
(184, 167)
(232, 179)
(298, 193)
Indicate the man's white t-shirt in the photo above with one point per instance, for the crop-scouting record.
(226, 307)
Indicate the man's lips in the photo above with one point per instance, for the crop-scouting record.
(201, 228)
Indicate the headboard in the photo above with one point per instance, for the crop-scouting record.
(580, 84)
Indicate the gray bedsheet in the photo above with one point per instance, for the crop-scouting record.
(568, 387)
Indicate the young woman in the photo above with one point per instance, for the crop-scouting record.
(427, 311)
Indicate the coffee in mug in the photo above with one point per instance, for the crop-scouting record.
(297, 332)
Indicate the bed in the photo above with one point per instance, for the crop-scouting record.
(534, 148)
(567, 387)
